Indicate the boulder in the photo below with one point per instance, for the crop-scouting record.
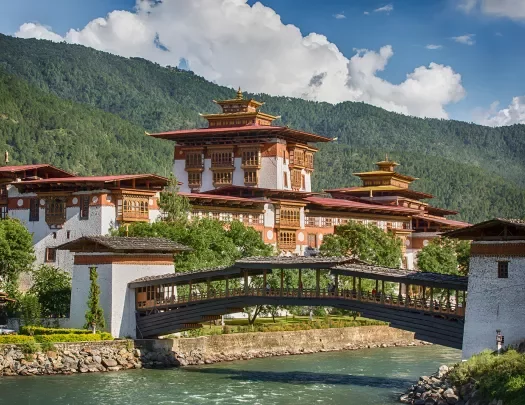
(109, 363)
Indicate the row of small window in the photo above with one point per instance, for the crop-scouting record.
(503, 269)
(249, 158)
(222, 178)
(253, 219)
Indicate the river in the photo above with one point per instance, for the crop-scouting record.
(360, 377)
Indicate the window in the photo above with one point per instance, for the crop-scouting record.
(54, 235)
(222, 159)
(68, 234)
(3, 211)
(296, 178)
(34, 209)
(287, 239)
(133, 208)
(250, 177)
(55, 211)
(51, 255)
(222, 178)
(194, 160)
(289, 217)
(84, 207)
(285, 180)
(309, 157)
(503, 269)
(250, 158)
(195, 179)
(303, 181)
(312, 240)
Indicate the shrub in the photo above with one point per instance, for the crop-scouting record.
(30, 310)
(40, 330)
(15, 339)
(86, 337)
(29, 347)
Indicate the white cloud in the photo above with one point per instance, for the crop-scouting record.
(432, 47)
(235, 44)
(514, 9)
(385, 9)
(513, 114)
(467, 39)
(339, 16)
(366, 13)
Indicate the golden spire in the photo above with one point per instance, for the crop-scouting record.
(239, 94)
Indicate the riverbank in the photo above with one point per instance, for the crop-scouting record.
(90, 357)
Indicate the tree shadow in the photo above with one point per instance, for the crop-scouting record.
(305, 377)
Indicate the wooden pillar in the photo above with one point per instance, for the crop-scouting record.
(377, 286)
(399, 296)
(448, 299)
(382, 291)
(300, 283)
(359, 288)
(208, 288)
(431, 299)
(457, 302)
(336, 289)
(353, 284)
(245, 282)
(317, 282)
(189, 294)
(227, 286)
(282, 281)
(155, 296)
(264, 282)
(464, 301)
(407, 295)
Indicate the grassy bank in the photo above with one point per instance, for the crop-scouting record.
(500, 377)
(281, 324)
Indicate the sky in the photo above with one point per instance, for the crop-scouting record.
(457, 59)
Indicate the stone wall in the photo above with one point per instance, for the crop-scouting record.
(211, 349)
(69, 358)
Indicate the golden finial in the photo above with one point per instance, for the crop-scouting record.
(239, 94)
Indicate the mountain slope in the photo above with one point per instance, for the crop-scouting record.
(53, 113)
(160, 98)
(38, 127)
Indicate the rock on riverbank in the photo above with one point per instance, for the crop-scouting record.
(437, 389)
(69, 359)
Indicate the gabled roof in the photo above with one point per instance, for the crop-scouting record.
(98, 179)
(497, 229)
(218, 134)
(350, 205)
(391, 190)
(242, 191)
(122, 244)
(222, 199)
(443, 221)
(11, 171)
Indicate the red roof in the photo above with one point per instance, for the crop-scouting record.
(221, 197)
(358, 206)
(97, 179)
(23, 168)
(188, 134)
(444, 221)
(359, 190)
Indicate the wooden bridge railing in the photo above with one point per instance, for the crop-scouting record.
(162, 301)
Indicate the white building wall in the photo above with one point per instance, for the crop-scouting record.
(116, 299)
(181, 174)
(268, 173)
(494, 303)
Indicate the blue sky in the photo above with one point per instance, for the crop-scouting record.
(491, 69)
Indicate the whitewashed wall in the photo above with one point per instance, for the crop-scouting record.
(494, 303)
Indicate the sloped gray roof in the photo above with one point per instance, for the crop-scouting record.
(123, 244)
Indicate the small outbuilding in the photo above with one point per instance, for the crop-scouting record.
(496, 284)
(118, 261)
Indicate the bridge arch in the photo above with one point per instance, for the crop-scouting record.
(181, 301)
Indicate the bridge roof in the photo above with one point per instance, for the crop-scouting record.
(252, 265)
(402, 276)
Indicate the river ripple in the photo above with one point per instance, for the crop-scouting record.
(360, 377)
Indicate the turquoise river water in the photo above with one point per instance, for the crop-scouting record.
(360, 377)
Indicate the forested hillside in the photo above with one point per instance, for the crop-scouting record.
(469, 167)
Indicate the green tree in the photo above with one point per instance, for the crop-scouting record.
(29, 309)
(16, 250)
(52, 286)
(444, 255)
(174, 206)
(366, 242)
(94, 314)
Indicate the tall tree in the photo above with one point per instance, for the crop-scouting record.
(94, 314)
(16, 250)
(445, 255)
(366, 242)
(174, 206)
(52, 286)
